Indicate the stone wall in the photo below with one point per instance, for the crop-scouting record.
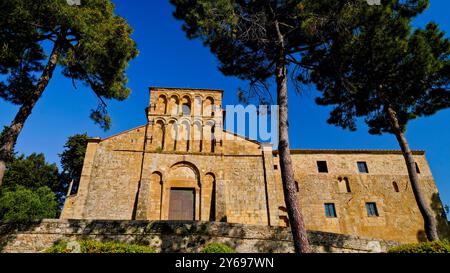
(399, 218)
(184, 237)
(130, 176)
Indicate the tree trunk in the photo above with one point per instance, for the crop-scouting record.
(428, 216)
(12, 132)
(298, 228)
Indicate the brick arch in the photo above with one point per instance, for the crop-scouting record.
(185, 164)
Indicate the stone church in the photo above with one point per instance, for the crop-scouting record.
(153, 173)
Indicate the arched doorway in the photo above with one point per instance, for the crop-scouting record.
(181, 193)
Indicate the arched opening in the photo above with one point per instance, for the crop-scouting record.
(297, 188)
(208, 107)
(183, 140)
(182, 193)
(173, 105)
(209, 197)
(171, 134)
(149, 199)
(186, 106)
(395, 185)
(157, 139)
(161, 105)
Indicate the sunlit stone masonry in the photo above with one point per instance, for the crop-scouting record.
(182, 165)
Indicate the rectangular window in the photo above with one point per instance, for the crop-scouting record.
(322, 166)
(417, 168)
(275, 167)
(362, 167)
(372, 210)
(330, 210)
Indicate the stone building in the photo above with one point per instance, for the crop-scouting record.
(182, 165)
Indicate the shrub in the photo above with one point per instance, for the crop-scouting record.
(217, 248)
(428, 247)
(22, 204)
(100, 247)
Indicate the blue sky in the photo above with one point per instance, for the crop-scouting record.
(167, 58)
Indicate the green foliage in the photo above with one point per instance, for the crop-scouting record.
(381, 62)
(32, 172)
(22, 204)
(217, 248)
(243, 36)
(72, 158)
(95, 43)
(428, 247)
(101, 247)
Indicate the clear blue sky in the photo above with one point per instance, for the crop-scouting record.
(168, 58)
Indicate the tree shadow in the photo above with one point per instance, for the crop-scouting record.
(441, 217)
(9, 231)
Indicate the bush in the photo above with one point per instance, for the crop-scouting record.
(100, 247)
(217, 248)
(22, 204)
(428, 247)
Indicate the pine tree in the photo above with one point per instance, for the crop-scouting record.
(388, 73)
(259, 41)
(90, 43)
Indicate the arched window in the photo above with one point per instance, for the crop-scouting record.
(208, 107)
(173, 105)
(186, 106)
(184, 136)
(171, 136)
(209, 192)
(161, 105)
(158, 136)
(395, 185)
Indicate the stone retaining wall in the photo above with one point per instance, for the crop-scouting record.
(168, 236)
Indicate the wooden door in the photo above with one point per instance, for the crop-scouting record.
(182, 204)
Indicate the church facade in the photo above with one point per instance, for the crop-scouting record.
(182, 165)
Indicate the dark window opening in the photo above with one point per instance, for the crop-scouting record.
(297, 187)
(322, 166)
(372, 210)
(395, 185)
(362, 167)
(417, 168)
(275, 167)
(330, 210)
